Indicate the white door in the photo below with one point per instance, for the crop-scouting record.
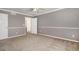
(31, 24)
(28, 23)
(3, 26)
(34, 26)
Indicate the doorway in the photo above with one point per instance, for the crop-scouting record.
(31, 25)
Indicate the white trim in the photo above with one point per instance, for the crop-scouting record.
(49, 11)
(72, 40)
(15, 12)
(14, 36)
(33, 15)
(15, 27)
(62, 27)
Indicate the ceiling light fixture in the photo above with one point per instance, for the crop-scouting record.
(35, 9)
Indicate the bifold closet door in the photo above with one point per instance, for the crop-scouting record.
(34, 25)
(3, 26)
(28, 24)
(31, 24)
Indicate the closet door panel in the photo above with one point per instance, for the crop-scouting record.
(3, 26)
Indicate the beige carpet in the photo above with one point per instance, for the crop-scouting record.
(32, 42)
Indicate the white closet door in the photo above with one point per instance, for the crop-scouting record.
(34, 26)
(31, 24)
(3, 26)
(28, 23)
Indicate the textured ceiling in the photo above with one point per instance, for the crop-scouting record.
(30, 12)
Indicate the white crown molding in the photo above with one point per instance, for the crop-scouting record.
(50, 11)
(15, 12)
(33, 15)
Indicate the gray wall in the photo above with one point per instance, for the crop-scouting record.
(15, 24)
(63, 23)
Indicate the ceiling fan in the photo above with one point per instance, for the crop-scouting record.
(30, 9)
(35, 9)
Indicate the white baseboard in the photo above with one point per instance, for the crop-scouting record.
(72, 40)
(14, 36)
